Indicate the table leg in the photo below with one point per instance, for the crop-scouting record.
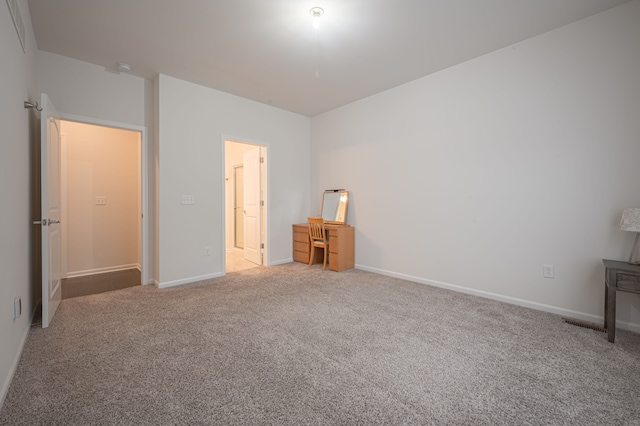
(610, 319)
(606, 303)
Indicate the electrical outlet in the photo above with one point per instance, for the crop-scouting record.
(548, 271)
(207, 251)
(101, 200)
(17, 307)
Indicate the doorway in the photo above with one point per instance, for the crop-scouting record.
(102, 207)
(245, 205)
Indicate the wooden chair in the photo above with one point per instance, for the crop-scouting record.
(318, 238)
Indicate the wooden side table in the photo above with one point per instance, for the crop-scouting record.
(619, 276)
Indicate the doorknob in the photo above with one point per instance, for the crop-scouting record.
(46, 222)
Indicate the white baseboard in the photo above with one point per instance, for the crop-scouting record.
(281, 262)
(16, 359)
(103, 270)
(188, 280)
(512, 300)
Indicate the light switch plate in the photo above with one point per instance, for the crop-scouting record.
(187, 199)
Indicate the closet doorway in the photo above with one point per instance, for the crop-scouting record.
(101, 208)
(245, 205)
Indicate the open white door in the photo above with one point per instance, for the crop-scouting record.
(50, 198)
(251, 199)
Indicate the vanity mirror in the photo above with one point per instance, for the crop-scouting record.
(334, 206)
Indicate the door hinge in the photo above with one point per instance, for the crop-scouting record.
(261, 159)
(261, 245)
(262, 202)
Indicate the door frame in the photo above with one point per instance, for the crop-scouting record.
(144, 202)
(264, 148)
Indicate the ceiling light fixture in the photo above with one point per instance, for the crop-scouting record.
(316, 13)
(122, 67)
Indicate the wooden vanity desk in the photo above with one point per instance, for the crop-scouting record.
(341, 246)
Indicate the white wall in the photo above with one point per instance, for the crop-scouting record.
(19, 141)
(193, 121)
(478, 175)
(101, 161)
(81, 89)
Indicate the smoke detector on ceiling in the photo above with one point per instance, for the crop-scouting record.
(122, 67)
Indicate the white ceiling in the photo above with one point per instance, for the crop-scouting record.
(268, 50)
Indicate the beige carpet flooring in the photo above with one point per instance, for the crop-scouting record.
(292, 345)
